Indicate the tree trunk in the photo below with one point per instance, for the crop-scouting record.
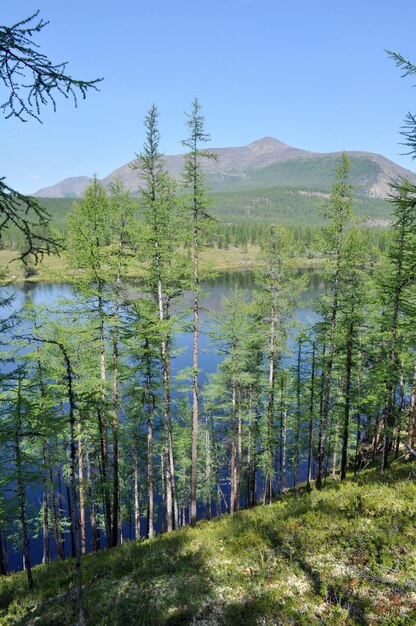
(335, 448)
(399, 414)
(296, 462)
(81, 488)
(21, 495)
(149, 412)
(347, 393)
(103, 422)
(311, 412)
(172, 510)
(282, 438)
(239, 450)
(207, 469)
(390, 411)
(116, 481)
(357, 461)
(194, 461)
(136, 490)
(268, 491)
(73, 456)
(163, 481)
(233, 456)
(61, 509)
(95, 530)
(55, 518)
(249, 444)
(45, 505)
(327, 386)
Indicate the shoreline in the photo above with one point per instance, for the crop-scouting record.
(54, 269)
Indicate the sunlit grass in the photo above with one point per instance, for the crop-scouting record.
(55, 268)
(345, 555)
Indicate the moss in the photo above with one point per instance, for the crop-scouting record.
(344, 555)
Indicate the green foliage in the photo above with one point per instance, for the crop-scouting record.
(344, 555)
(290, 206)
(313, 174)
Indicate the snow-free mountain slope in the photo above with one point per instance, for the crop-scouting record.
(262, 164)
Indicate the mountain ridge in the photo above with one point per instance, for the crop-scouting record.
(260, 164)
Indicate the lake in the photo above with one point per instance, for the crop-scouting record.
(212, 301)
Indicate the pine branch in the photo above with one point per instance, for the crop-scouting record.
(30, 78)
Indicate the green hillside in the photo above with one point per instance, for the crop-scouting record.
(345, 555)
(314, 173)
(287, 205)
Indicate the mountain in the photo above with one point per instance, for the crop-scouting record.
(263, 164)
(67, 188)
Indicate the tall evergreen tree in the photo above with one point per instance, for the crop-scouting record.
(161, 240)
(88, 252)
(197, 204)
(279, 289)
(338, 211)
(236, 337)
(397, 294)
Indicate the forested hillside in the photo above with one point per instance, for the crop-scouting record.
(242, 217)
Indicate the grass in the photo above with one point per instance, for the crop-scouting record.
(50, 269)
(55, 269)
(345, 555)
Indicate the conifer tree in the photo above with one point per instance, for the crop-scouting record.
(31, 81)
(89, 236)
(354, 300)
(397, 294)
(278, 292)
(122, 215)
(197, 204)
(161, 237)
(338, 211)
(234, 336)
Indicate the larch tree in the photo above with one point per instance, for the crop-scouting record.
(88, 252)
(122, 211)
(279, 289)
(197, 205)
(409, 134)
(353, 310)
(397, 295)
(236, 337)
(31, 81)
(161, 233)
(338, 211)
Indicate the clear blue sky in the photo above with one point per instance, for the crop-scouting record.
(312, 73)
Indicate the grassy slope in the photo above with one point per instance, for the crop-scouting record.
(346, 555)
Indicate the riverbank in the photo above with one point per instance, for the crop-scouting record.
(344, 555)
(54, 269)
